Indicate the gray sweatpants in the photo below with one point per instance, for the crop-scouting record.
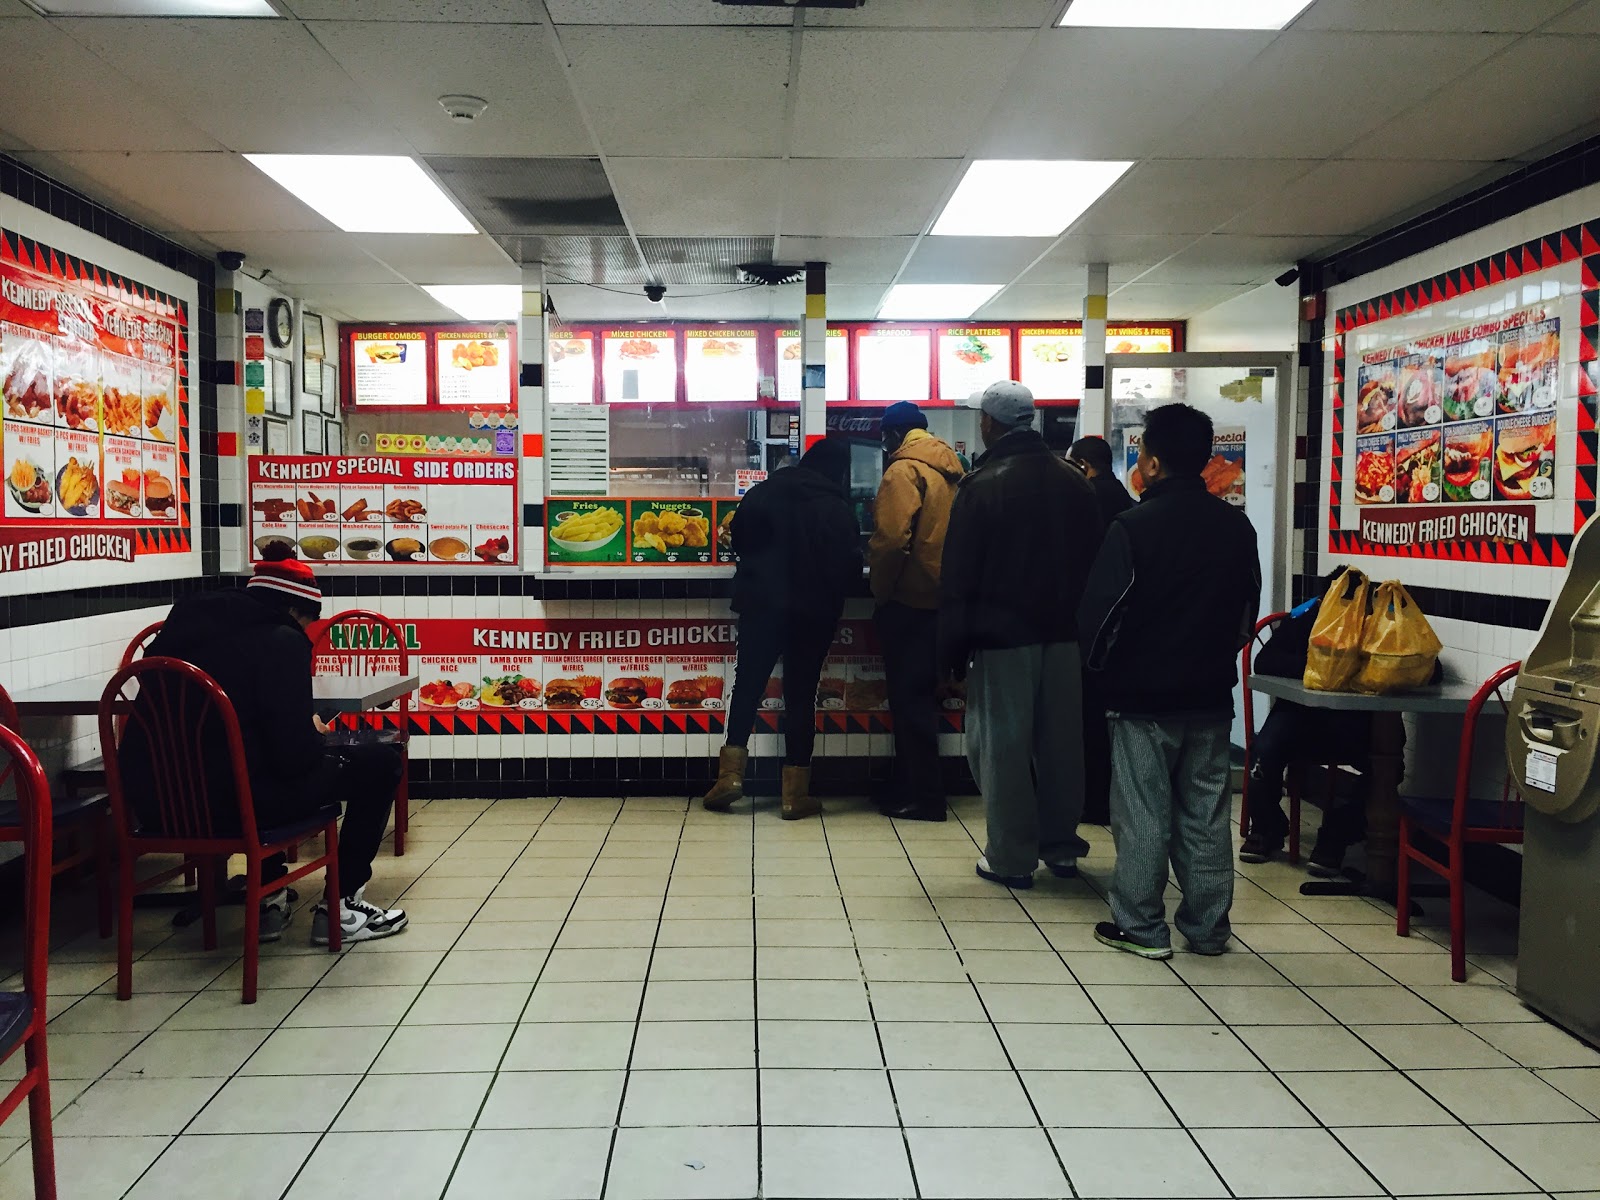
(1025, 746)
(1169, 799)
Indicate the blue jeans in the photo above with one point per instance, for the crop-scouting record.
(1170, 802)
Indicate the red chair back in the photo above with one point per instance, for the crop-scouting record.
(1246, 656)
(386, 654)
(193, 743)
(32, 788)
(1504, 812)
(141, 641)
(10, 720)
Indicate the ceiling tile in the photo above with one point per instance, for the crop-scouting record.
(1189, 195)
(451, 12)
(863, 197)
(441, 258)
(1346, 197)
(379, 302)
(613, 260)
(937, 14)
(1070, 97)
(850, 260)
(682, 92)
(1430, 16)
(304, 258)
(513, 67)
(218, 191)
(15, 8)
(293, 98)
(664, 12)
(1311, 94)
(1221, 258)
(710, 261)
(62, 96)
(1127, 255)
(751, 304)
(1169, 301)
(854, 302)
(972, 260)
(1557, 91)
(1035, 303)
(692, 197)
(866, 93)
(1583, 19)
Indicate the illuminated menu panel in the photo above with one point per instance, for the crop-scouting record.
(791, 366)
(971, 358)
(391, 368)
(721, 366)
(893, 365)
(639, 366)
(569, 367)
(1050, 361)
(475, 367)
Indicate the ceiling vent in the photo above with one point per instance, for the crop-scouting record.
(770, 274)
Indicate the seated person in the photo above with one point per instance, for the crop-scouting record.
(252, 641)
(1294, 733)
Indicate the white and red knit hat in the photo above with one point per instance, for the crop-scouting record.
(288, 576)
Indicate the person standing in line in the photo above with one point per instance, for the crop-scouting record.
(1171, 601)
(1022, 529)
(798, 548)
(1092, 456)
(912, 514)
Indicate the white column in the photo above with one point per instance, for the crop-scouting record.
(532, 330)
(814, 356)
(1094, 417)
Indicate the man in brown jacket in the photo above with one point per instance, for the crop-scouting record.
(912, 514)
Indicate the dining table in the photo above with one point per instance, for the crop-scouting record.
(330, 694)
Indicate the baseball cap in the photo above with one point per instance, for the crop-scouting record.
(1007, 401)
(904, 415)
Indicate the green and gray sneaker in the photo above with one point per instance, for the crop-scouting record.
(1107, 934)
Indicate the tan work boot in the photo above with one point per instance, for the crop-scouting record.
(729, 786)
(798, 802)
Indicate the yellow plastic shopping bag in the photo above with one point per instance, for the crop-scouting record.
(1333, 656)
(1399, 647)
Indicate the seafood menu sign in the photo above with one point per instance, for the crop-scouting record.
(93, 413)
(386, 509)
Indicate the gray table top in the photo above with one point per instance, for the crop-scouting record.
(329, 693)
(1447, 697)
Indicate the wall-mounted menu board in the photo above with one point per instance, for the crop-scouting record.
(721, 365)
(639, 365)
(1050, 361)
(893, 364)
(470, 366)
(387, 509)
(569, 367)
(639, 532)
(94, 413)
(791, 365)
(972, 357)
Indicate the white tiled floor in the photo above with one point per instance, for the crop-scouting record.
(641, 1000)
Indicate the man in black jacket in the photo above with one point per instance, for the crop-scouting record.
(1092, 456)
(799, 552)
(1171, 601)
(252, 641)
(1022, 528)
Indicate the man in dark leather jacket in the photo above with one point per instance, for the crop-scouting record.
(1023, 528)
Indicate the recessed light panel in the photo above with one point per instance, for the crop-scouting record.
(1184, 14)
(479, 301)
(1024, 197)
(366, 193)
(935, 301)
(154, 8)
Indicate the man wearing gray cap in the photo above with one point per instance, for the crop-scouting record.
(1023, 530)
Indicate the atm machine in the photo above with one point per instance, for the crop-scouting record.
(1551, 738)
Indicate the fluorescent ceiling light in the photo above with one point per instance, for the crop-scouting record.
(1024, 197)
(154, 8)
(366, 193)
(935, 301)
(479, 301)
(1184, 14)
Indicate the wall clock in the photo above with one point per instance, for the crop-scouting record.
(280, 322)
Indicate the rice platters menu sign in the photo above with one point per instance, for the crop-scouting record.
(390, 509)
(94, 418)
(603, 676)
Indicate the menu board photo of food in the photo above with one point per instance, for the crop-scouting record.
(697, 682)
(1530, 366)
(721, 366)
(1420, 379)
(1375, 469)
(671, 531)
(1524, 456)
(573, 683)
(476, 368)
(448, 683)
(30, 464)
(569, 369)
(1050, 362)
(639, 366)
(1472, 379)
(389, 367)
(586, 531)
(1417, 466)
(1224, 473)
(791, 366)
(970, 359)
(510, 682)
(1468, 460)
(1375, 397)
(26, 369)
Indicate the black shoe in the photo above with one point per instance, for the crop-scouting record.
(1266, 837)
(1341, 829)
(1063, 870)
(1107, 934)
(910, 811)
(1018, 882)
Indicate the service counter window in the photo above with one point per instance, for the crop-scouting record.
(426, 469)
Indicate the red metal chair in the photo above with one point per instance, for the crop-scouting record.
(1265, 626)
(85, 817)
(367, 728)
(1457, 821)
(192, 736)
(23, 1014)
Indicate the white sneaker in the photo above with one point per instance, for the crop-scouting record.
(359, 921)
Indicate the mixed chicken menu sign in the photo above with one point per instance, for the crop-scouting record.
(93, 408)
(531, 666)
(1464, 416)
(377, 508)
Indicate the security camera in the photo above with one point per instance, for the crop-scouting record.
(230, 260)
(1288, 278)
(655, 292)
(463, 108)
